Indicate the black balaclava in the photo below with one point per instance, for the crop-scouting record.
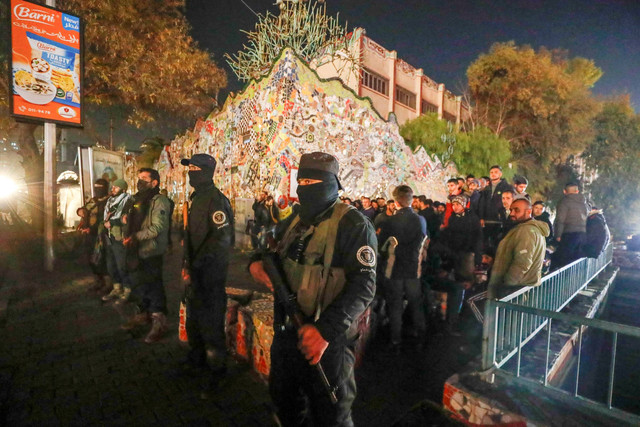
(200, 178)
(316, 198)
(101, 188)
(143, 185)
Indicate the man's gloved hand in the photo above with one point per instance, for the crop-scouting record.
(259, 275)
(311, 343)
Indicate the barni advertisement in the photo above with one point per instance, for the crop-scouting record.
(46, 72)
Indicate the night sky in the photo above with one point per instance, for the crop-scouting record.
(444, 37)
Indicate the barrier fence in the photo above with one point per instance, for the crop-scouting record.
(506, 329)
(512, 321)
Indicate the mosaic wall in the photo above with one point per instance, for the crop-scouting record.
(260, 133)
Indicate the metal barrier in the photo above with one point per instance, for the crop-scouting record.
(515, 319)
(505, 331)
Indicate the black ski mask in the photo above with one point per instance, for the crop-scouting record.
(143, 185)
(201, 177)
(101, 188)
(317, 198)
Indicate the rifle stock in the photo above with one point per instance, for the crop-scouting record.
(272, 267)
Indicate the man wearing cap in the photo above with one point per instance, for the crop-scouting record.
(209, 236)
(147, 241)
(115, 224)
(329, 257)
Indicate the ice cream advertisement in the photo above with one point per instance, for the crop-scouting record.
(46, 72)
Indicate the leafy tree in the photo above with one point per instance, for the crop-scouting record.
(139, 56)
(614, 158)
(539, 101)
(151, 150)
(472, 152)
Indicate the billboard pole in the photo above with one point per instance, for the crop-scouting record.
(49, 187)
(49, 192)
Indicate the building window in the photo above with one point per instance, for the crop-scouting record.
(375, 82)
(428, 107)
(405, 97)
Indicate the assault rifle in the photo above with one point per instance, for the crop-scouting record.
(272, 266)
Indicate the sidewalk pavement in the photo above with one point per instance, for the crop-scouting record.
(64, 361)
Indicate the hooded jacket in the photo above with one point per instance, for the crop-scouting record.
(519, 257)
(571, 216)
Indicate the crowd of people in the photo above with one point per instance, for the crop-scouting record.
(125, 237)
(485, 240)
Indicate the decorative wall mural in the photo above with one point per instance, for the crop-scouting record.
(260, 133)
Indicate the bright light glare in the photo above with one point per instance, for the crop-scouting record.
(7, 187)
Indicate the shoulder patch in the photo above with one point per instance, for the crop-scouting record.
(219, 217)
(366, 256)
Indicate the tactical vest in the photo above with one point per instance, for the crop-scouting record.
(315, 283)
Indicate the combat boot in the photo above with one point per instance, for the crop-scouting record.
(115, 293)
(123, 298)
(158, 328)
(138, 319)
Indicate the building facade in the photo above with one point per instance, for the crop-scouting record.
(393, 85)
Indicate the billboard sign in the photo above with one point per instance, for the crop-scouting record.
(46, 64)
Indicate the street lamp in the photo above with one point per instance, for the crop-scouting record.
(7, 187)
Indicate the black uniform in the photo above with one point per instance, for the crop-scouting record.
(208, 238)
(291, 377)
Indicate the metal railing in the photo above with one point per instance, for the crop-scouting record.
(507, 330)
(514, 320)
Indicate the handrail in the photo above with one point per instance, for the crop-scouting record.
(615, 329)
(504, 334)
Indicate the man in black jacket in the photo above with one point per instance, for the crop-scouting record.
(459, 246)
(208, 240)
(409, 229)
(333, 285)
(429, 215)
(490, 204)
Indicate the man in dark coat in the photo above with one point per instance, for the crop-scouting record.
(409, 230)
(330, 309)
(459, 246)
(209, 238)
(490, 204)
(540, 214)
(570, 226)
(598, 235)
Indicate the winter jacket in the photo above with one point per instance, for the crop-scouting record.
(490, 203)
(464, 233)
(544, 216)
(210, 230)
(571, 215)
(409, 229)
(153, 236)
(598, 235)
(519, 257)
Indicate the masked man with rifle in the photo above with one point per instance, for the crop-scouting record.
(209, 236)
(326, 252)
